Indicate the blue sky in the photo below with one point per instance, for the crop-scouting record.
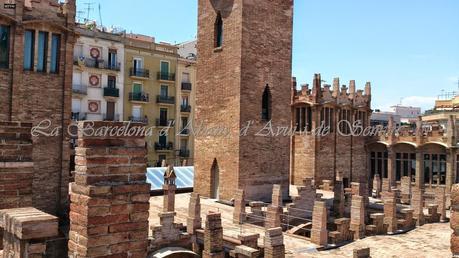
(408, 49)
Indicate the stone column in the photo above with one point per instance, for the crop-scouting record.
(390, 212)
(239, 207)
(391, 167)
(419, 177)
(450, 159)
(213, 236)
(338, 200)
(454, 221)
(358, 216)
(274, 243)
(110, 196)
(169, 188)
(26, 231)
(319, 232)
(417, 204)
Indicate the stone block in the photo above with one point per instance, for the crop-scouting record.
(28, 223)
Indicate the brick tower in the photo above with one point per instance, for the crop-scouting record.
(243, 77)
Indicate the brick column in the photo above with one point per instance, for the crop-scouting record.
(391, 167)
(358, 216)
(274, 243)
(417, 204)
(194, 220)
(377, 186)
(405, 189)
(110, 197)
(26, 232)
(319, 232)
(390, 212)
(440, 200)
(239, 207)
(16, 166)
(338, 199)
(450, 169)
(213, 236)
(274, 211)
(454, 221)
(169, 188)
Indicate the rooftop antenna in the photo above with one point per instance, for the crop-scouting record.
(88, 9)
(100, 16)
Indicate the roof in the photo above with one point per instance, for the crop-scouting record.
(185, 176)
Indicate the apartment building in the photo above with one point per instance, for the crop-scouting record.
(150, 93)
(98, 75)
(185, 92)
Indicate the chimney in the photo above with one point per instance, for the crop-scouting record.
(335, 87)
(368, 89)
(352, 89)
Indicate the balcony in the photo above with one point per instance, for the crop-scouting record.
(80, 89)
(164, 146)
(185, 108)
(184, 153)
(166, 76)
(164, 122)
(111, 92)
(114, 67)
(139, 97)
(165, 100)
(111, 117)
(138, 119)
(186, 86)
(95, 63)
(139, 73)
(78, 116)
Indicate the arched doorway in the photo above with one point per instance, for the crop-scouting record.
(378, 161)
(405, 161)
(434, 162)
(215, 180)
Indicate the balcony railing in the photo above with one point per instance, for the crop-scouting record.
(165, 99)
(80, 89)
(185, 108)
(184, 153)
(144, 73)
(111, 117)
(164, 146)
(114, 67)
(78, 116)
(164, 122)
(138, 119)
(186, 86)
(95, 63)
(139, 96)
(166, 76)
(111, 92)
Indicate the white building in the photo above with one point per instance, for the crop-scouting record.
(382, 118)
(98, 76)
(407, 114)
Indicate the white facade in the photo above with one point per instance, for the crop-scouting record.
(382, 118)
(98, 76)
(407, 114)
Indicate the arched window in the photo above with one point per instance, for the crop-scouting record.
(266, 104)
(219, 30)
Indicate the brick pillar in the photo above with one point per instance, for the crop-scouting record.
(26, 231)
(391, 167)
(274, 243)
(319, 232)
(239, 207)
(358, 216)
(385, 186)
(417, 204)
(194, 220)
(110, 196)
(338, 199)
(213, 236)
(450, 169)
(169, 188)
(440, 200)
(250, 240)
(454, 221)
(16, 166)
(419, 176)
(274, 211)
(405, 189)
(390, 212)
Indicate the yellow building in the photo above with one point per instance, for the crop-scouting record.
(150, 93)
(185, 92)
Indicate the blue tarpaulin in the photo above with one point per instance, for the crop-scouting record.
(185, 176)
